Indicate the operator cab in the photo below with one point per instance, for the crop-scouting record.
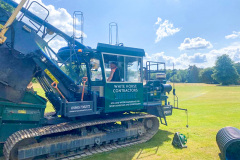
(123, 87)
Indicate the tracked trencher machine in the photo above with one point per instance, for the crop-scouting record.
(92, 114)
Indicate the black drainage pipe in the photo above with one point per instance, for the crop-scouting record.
(228, 140)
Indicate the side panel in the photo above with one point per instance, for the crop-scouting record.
(123, 96)
(81, 108)
(19, 116)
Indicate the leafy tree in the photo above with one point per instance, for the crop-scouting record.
(225, 72)
(183, 74)
(237, 66)
(6, 6)
(177, 75)
(34, 80)
(169, 74)
(206, 76)
(193, 74)
(176, 78)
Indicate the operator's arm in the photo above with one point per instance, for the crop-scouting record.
(111, 75)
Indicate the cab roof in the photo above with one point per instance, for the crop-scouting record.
(121, 50)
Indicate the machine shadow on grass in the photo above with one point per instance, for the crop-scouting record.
(144, 150)
(153, 145)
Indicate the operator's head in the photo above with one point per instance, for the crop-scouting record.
(113, 65)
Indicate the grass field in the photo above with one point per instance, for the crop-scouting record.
(210, 108)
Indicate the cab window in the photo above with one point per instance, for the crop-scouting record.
(132, 69)
(96, 71)
(122, 68)
(75, 71)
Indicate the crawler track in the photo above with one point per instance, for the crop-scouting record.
(65, 145)
(106, 148)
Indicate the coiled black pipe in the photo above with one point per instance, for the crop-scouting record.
(228, 140)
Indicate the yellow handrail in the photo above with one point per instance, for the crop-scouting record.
(10, 21)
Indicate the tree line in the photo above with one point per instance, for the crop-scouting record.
(224, 72)
(6, 6)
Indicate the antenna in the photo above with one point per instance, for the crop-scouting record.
(111, 26)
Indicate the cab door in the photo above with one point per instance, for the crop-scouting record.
(126, 92)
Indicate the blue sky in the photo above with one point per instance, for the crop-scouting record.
(184, 32)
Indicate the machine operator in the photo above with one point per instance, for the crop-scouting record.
(115, 73)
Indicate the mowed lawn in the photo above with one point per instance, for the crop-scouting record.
(210, 107)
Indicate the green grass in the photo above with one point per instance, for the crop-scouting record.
(37, 87)
(210, 108)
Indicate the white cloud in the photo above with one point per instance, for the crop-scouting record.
(198, 58)
(161, 57)
(59, 18)
(233, 51)
(165, 29)
(201, 60)
(233, 35)
(57, 43)
(194, 43)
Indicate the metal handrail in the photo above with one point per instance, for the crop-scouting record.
(40, 24)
